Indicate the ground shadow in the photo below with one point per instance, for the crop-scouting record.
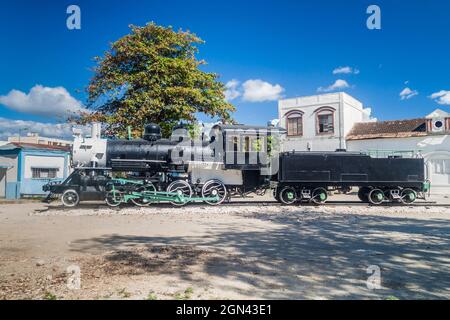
(307, 255)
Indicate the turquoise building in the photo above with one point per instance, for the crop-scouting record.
(26, 167)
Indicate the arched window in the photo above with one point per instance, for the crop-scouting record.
(294, 123)
(325, 120)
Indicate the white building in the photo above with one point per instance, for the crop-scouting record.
(319, 123)
(429, 136)
(34, 138)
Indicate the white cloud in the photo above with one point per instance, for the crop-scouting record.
(407, 93)
(367, 115)
(274, 122)
(231, 90)
(44, 101)
(345, 70)
(441, 97)
(259, 91)
(338, 84)
(10, 128)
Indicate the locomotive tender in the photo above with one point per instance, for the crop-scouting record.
(234, 160)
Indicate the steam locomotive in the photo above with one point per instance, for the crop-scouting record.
(232, 160)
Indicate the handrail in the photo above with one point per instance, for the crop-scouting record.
(385, 153)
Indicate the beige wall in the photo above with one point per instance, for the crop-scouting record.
(10, 160)
(7, 174)
(41, 140)
(2, 183)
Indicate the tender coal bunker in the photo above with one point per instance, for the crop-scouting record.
(354, 168)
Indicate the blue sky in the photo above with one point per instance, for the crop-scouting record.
(290, 47)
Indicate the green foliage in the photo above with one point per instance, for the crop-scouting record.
(273, 145)
(124, 293)
(189, 291)
(257, 145)
(186, 295)
(153, 75)
(152, 296)
(50, 296)
(195, 130)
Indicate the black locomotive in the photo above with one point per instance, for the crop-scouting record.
(233, 160)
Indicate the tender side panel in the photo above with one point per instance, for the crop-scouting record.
(351, 169)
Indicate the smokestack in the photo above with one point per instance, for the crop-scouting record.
(96, 130)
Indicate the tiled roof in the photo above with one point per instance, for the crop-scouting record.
(388, 129)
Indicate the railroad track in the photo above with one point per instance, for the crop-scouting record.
(248, 203)
(336, 203)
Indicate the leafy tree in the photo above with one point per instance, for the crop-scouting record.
(153, 75)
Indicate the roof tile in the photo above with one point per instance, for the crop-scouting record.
(388, 129)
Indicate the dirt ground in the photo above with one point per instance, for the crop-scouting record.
(230, 252)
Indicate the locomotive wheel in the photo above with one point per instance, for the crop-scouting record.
(113, 198)
(376, 196)
(182, 188)
(319, 196)
(142, 201)
(408, 196)
(363, 194)
(288, 195)
(70, 198)
(214, 188)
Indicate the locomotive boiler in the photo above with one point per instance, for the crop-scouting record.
(148, 154)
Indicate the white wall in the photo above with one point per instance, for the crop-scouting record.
(43, 162)
(353, 113)
(434, 149)
(348, 111)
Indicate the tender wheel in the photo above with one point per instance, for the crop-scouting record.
(408, 196)
(70, 198)
(214, 188)
(113, 198)
(288, 195)
(182, 188)
(376, 196)
(144, 190)
(319, 196)
(363, 194)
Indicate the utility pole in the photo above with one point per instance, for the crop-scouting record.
(20, 132)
